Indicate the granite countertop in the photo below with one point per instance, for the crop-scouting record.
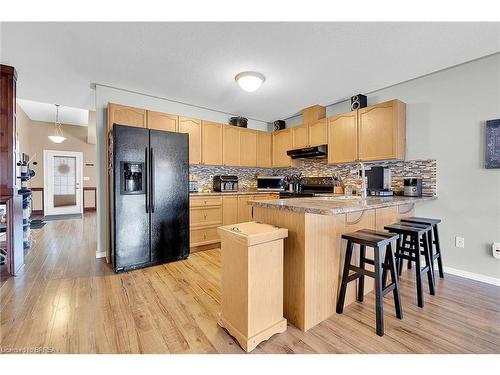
(332, 206)
(217, 193)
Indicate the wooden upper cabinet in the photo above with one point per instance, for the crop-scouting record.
(248, 148)
(282, 142)
(231, 145)
(318, 133)
(211, 135)
(193, 128)
(300, 136)
(162, 121)
(382, 131)
(124, 115)
(264, 149)
(343, 138)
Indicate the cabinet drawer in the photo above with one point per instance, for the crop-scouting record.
(205, 201)
(204, 236)
(205, 216)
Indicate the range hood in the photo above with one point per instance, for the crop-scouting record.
(318, 152)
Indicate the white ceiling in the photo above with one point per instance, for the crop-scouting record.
(304, 63)
(38, 111)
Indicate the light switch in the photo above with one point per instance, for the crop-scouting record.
(85, 178)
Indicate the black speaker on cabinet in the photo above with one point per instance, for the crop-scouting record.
(279, 124)
(358, 101)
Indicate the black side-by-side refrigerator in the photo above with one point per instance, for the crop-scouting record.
(150, 202)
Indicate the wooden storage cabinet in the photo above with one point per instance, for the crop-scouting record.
(205, 216)
(382, 131)
(162, 121)
(211, 135)
(300, 136)
(264, 149)
(204, 236)
(230, 210)
(192, 127)
(125, 115)
(282, 142)
(343, 138)
(244, 209)
(318, 133)
(248, 148)
(230, 146)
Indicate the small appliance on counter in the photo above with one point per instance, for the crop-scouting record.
(193, 184)
(225, 183)
(271, 183)
(379, 182)
(413, 187)
(313, 186)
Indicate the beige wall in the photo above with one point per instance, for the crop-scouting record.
(33, 139)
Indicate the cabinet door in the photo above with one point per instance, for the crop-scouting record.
(244, 209)
(282, 141)
(193, 128)
(162, 121)
(229, 210)
(264, 149)
(300, 136)
(124, 115)
(318, 133)
(343, 138)
(211, 135)
(382, 131)
(231, 145)
(248, 148)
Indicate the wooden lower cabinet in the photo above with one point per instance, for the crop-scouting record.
(230, 210)
(209, 212)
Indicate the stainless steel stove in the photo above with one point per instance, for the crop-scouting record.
(312, 186)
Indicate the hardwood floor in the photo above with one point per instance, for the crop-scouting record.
(67, 300)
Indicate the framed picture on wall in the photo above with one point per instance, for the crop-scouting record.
(492, 155)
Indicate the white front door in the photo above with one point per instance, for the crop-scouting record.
(63, 172)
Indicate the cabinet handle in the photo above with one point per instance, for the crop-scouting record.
(357, 220)
(205, 216)
(204, 236)
(411, 208)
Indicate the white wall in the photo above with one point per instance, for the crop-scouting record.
(445, 121)
(106, 94)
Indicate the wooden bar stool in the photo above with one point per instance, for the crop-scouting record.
(378, 241)
(436, 251)
(413, 242)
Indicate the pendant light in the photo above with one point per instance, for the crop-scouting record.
(58, 136)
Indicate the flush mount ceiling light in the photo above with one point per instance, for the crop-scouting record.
(58, 136)
(249, 81)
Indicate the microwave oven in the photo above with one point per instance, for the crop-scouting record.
(271, 183)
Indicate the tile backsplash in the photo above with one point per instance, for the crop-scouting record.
(424, 169)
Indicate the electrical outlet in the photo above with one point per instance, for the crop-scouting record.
(211, 177)
(459, 242)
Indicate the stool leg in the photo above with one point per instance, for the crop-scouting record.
(345, 275)
(361, 282)
(418, 272)
(428, 263)
(379, 296)
(385, 267)
(395, 292)
(399, 251)
(431, 255)
(408, 265)
(438, 251)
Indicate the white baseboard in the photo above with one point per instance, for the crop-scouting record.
(100, 254)
(472, 276)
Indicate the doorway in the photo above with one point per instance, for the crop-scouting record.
(63, 172)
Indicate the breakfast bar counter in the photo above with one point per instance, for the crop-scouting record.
(315, 251)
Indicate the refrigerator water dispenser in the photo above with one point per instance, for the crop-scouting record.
(132, 178)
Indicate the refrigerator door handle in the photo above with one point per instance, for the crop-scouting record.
(146, 179)
(152, 180)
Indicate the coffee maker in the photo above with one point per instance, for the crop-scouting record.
(379, 181)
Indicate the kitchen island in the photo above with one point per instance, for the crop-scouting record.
(314, 250)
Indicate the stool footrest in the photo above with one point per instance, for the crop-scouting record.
(361, 271)
(388, 288)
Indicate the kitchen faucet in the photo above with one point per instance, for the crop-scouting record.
(363, 184)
